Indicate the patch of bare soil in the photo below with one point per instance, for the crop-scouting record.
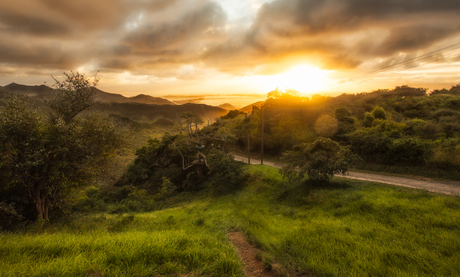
(254, 267)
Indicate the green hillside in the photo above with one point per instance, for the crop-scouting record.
(345, 228)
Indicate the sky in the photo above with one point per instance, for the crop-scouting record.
(242, 48)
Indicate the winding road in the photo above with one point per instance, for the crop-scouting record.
(449, 188)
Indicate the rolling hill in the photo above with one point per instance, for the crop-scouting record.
(140, 108)
(248, 108)
(152, 112)
(41, 92)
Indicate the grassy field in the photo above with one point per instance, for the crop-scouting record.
(345, 228)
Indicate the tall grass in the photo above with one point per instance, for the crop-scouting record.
(350, 228)
(344, 228)
(176, 241)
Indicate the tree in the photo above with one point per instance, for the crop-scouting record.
(379, 113)
(326, 126)
(368, 120)
(224, 171)
(72, 96)
(320, 160)
(45, 157)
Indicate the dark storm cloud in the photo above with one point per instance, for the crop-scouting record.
(407, 39)
(42, 56)
(320, 16)
(18, 23)
(415, 37)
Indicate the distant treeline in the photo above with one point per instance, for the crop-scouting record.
(404, 126)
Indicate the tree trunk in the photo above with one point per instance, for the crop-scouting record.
(199, 169)
(42, 204)
(39, 205)
(45, 211)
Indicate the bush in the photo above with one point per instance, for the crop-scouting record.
(379, 113)
(167, 189)
(320, 160)
(8, 216)
(224, 171)
(368, 120)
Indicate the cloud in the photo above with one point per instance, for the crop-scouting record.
(17, 23)
(160, 37)
(165, 47)
(337, 33)
(179, 34)
(46, 56)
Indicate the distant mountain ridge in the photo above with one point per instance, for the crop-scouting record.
(142, 107)
(227, 106)
(248, 108)
(148, 112)
(42, 92)
(3, 91)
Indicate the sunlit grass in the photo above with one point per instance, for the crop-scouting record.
(351, 228)
(159, 243)
(345, 228)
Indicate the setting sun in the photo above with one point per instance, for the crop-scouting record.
(303, 78)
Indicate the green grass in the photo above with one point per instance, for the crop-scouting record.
(174, 241)
(410, 171)
(345, 228)
(354, 228)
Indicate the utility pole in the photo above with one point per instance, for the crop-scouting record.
(262, 146)
(249, 148)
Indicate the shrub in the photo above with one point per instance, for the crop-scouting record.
(167, 189)
(320, 159)
(8, 216)
(368, 120)
(379, 113)
(224, 171)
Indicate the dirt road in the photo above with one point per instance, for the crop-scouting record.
(449, 188)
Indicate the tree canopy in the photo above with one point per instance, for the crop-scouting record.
(45, 155)
(320, 160)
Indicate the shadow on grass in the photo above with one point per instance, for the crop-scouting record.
(326, 185)
(309, 191)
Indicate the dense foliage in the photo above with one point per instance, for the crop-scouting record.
(402, 127)
(320, 160)
(183, 163)
(44, 155)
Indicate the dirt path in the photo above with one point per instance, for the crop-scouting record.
(253, 267)
(449, 188)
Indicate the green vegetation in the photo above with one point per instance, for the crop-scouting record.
(389, 129)
(343, 228)
(45, 155)
(164, 203)
(320, 160)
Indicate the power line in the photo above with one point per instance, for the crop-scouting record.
(430, 56)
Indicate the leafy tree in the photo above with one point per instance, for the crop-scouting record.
(379, 113)
(368, 120)
(326, 126)
(72, 96)
(320, 160)
(455, 90)
(346, 123)
(224, 171)
(43, 158)
(232, 114)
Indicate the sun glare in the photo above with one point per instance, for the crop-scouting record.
(303, 78)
